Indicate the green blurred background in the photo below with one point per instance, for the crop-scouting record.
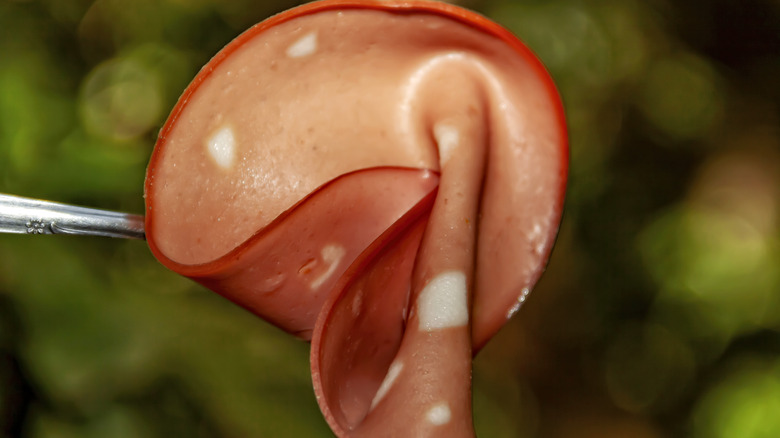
(659, 314)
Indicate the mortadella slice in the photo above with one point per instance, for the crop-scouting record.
(383, 178)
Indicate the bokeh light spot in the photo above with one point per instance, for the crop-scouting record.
(746, 404)
(121, 100)
(682, 96)
(647, 368)
(717, 251)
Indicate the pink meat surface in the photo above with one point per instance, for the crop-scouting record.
(384, 179)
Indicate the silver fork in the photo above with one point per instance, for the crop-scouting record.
(21, 215)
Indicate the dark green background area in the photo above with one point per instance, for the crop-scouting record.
(659, 314)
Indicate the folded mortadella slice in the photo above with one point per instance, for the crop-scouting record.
(383, 178)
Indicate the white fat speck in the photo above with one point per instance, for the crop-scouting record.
(331, 255)
(392, 374)
(443, 302)
(537, 239)
(447, 139)
(439, 414)
(222, 147)
(357, 303)
(305, 46)
(536, 232)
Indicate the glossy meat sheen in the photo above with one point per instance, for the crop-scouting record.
(385, 177)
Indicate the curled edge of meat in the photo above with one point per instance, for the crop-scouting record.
(396, 242)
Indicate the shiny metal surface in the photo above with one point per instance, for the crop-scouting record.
(33, 216)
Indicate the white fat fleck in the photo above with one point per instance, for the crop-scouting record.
(439, 414)
(447, 139)
(357, 303)
(537, 239)
(305, 46)
(222, 147)
(331, 255)
(392, 374)
(443, 302)
(536, 232)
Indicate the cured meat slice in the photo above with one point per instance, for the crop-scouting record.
(286, 280)
(383, 178)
